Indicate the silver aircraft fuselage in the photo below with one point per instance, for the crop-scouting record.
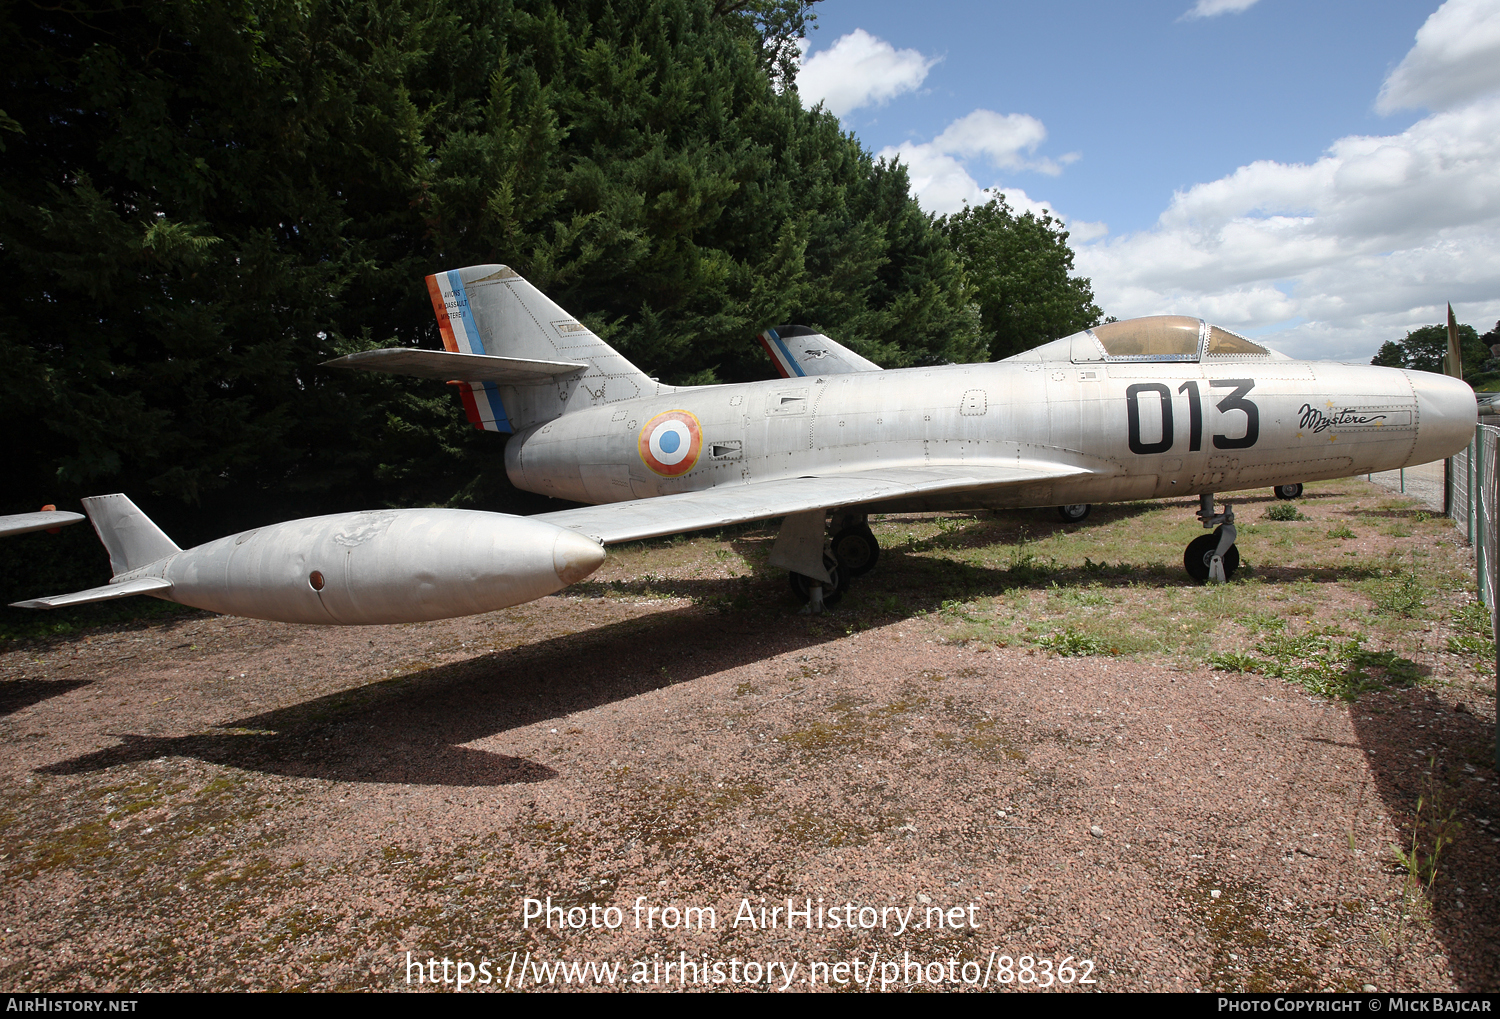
(1142, 430)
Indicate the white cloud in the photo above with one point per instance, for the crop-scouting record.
(859, 70)
(940, 176)
(1456, 59)
(1213, 8)
(939, 182)
(1343, 253)
(1001, 138)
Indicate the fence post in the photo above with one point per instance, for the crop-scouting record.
(1469, 490)
(1480, 526)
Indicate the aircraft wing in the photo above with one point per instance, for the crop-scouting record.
(447, 366)
(22, 523)
(733, 504)
(141, 585)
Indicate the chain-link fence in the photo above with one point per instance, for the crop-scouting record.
(1471, 498)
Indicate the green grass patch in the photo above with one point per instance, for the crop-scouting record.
(1284, 511)
(1071, 643)
(1326, 661)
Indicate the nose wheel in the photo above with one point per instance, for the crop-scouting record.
(1074, 513)
(1213, 558)
(1198, 559)
(1288, 492)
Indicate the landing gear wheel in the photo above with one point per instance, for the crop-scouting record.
(1288, 492)
(1200, 552)
(856, 550)
(1074, 513)
(802, 586)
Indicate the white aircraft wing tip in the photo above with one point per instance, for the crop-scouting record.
(24, 523)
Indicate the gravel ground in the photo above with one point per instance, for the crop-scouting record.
(211, 802)
(1422, 484)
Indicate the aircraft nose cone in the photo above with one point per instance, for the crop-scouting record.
(1446, 414)
(575, 556)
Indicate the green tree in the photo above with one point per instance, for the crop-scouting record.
(1021, 270)
(201, 202)
(1423, 350)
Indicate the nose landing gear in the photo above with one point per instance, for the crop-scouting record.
(1213, 558)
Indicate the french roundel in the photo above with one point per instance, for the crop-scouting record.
(670, 443)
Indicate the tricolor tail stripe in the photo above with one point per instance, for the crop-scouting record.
(461, 336)
(780, 355)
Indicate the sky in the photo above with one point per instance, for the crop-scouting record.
(1320, 174)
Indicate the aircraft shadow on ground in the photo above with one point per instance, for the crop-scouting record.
(410, 729)
(23, 693)
(1007, 535)
(1418, 747)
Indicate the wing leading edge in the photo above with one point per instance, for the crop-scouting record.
(615, 522)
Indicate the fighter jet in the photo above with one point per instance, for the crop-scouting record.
(1155, 407)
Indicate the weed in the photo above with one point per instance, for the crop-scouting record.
(1070, 643)
(1284, 511)
(1341, 531)
(1235, 661)
(1428, 837)
(1090, 597)
(1328, 662)
(1404, 596)
(1474, 638)
(1259, 622)
(957, 608)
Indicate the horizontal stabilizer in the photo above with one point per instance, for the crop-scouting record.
(21, 523)
(614, 522)
(447, 366)
(144, 585)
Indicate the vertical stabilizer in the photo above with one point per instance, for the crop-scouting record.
(491, 309)
(132, 539)
(798, 351)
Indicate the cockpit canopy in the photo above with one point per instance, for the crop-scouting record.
(1156, 338)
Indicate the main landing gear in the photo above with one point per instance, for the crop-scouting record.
(1213, 558)
(852, 553)
(1074, 513)
(1288, 492)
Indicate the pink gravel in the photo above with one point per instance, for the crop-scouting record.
(212, 802)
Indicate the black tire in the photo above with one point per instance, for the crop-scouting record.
(1201, 550)
(1288, 492)
(802, 586)
(1074, 513)
(856, 550)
